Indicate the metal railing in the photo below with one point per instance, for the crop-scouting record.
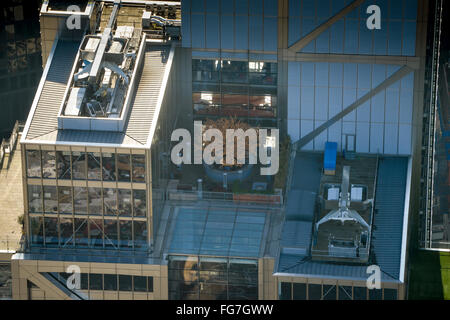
(7, 146)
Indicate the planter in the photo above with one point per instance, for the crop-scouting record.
(216, 175)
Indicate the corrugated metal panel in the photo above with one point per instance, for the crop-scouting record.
(45, 117)
(143, 109)
(85, 136)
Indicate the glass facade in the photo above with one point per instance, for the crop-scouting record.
(303, 291)
(193, 278)
(245, 89)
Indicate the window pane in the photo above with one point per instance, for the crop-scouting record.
(140, 283)
(124, 283)
(33, 163)
(150, 284)
(84, 281)
(63, 165)
(359, 293)
(110, 201)
(314, 292)
(96, 232)
(110, 233)
(123, 165)
(35, 199)
(51, 232)
(236, 292)
(66, 231)
(285, 293)
(329, 292)
(345, 293)
(37, 232)
(124, 202)
(299, 291)
(140, 234)
(95, 201)
(65, 199)
(126, 235)
(80, 200)
(50, 200)
(48, 164)
(375, 294)
(81, 232)
(95, 281)
(110, 282)
(79, 165)
(139, 201)
(138, 168)
(109, 166)
(390, 294)
(94, 166)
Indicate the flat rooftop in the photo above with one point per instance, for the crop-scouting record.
(303, 210)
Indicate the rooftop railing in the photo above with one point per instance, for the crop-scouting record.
(8, 145)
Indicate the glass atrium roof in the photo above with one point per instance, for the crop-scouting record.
(226, 232)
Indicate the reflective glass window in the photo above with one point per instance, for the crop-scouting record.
(314, 291)
(51, 232)
(140, 234)
(345, 293)
(139, 200)
(93, 162)
(110, 227)
(80, 200)
(390, 294)
(110, 201)
(81, 232)
(48, 164)
(95, 201)
(110, 282)
(63, 165)
(50, 200)
(84, 281)
(375, 294)
(299, 291)
(124, 202)
(35, 199)
(140, 283)
(66, 231)
(96, 232)
(125, 283)
(285, 292)
(33, 163)
(126, 234)
(95, 281)
(138, 162)
(109, 166)
(79, 165)
(65, 199)
(123, 166)
(359, 293)
(329, 292)
(37, 230)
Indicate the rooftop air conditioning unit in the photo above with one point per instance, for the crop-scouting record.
(146, 19)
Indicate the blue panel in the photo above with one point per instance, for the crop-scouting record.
(186, 25)
(363, 111)
(336, 74)
(255, 33)
(409, 38)
(395, 9)
(323, 9)
(294, 30)
(365, 39)
(270, 34)
(350, 75)
(404, 137)
(308, 8)
(323, 42)
(212, 6)
(308, 25)
(241, 6)
(294, 8)
(293, 74)
(198, 30)
(378, 74)
(335, 101)
(376, 138)
(227, 33)
(384, 8)
(306, 127)
(408, 81)
(351, 36)
(348, 128)
(319, 142)
(337, 37)
(390, 138)
(362, 137)
(391, 69)
(364, 71)
(378, 107)
(212, 31)
(264, 57)
(380, 39)
(406, 105)
(206, 54)
(329, 158)
(307, 74)
(392, 102)
(336, 6)
(294, 129)
(307, 103)
(293, 103)
(198, 6)
(271, 8)
(226, 6)
(410, 9)
(321, 103)
(335, 133)
(395, 38)
(241, 32)
(321, 74)
(349, 98)
(256, 6)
